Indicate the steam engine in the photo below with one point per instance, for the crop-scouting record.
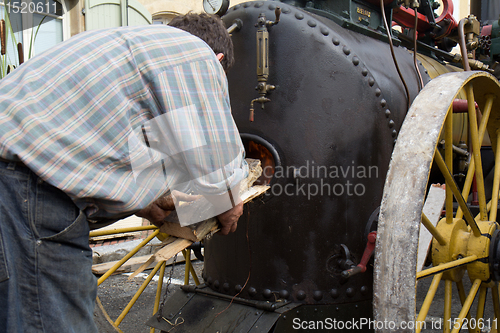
(317, 98)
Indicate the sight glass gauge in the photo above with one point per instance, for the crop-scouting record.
(216, 7)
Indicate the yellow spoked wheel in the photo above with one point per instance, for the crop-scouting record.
(465, 247)
(159, 268)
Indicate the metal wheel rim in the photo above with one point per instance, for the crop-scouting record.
(405, 189)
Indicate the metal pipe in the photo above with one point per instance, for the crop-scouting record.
(97, 233)
(463, 48)
(187, 257)
(158, 291)
(236, 26)
(420, 80)
(137, 294)
(389, 35)
(127, 257)
(261, 305)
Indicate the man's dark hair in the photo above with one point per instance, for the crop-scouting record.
(211, 29)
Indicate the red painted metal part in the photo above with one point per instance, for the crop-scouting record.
(370, 246)
(462, 106)
(486, 30)
(367, 254)
(406, 18)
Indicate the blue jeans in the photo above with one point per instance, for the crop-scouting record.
(46, 282)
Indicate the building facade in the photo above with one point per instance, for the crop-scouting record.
(40, 24)
(65, 18)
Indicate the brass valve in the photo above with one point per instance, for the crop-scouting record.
(410, 3)
(263, 60)
(235, 26)
(472, 29)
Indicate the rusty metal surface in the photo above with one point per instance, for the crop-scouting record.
(404, 191)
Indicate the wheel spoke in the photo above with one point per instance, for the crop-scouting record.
(433, 230)
(445, 267)
(448, 151)
(496, 302)
(456, 192)
(407, 192)
(480, 305)
(496, 183)
(472, 165)
(476, 150)
(447, 305)
(461, 295)
(467, 304)
(488, 207)
(486, 116)
(467, 186)
(428, 300)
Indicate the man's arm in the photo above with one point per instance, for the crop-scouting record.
(206, 141)
(158, 210)
(229, 218)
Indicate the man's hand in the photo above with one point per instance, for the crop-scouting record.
(229, 219)
(158, 210)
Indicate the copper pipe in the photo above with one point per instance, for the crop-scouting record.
(420, 80)
(389, 35)
(463, 48)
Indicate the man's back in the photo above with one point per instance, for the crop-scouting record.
(68, 112)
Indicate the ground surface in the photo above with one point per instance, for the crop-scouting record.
(116, 292)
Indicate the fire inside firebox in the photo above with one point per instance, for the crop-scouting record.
(258, 151)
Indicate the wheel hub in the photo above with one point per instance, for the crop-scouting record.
(462, 243)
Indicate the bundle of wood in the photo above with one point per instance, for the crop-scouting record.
(183, 237)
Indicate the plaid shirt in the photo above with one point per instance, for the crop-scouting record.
(116, 117)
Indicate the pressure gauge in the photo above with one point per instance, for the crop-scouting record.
(216, 7)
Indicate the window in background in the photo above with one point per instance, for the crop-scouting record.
(25, 17)
(163, 18)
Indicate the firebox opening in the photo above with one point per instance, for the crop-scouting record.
(258, 148)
